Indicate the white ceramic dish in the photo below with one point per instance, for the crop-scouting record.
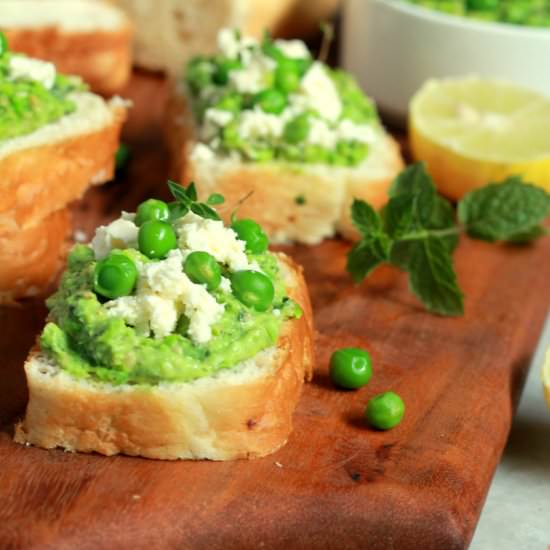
(393, 47)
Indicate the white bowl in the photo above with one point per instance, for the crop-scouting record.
(393, 47)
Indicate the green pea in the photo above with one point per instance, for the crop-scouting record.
(223, 68)
(3, 44)
(385, 411)
(231, 138)
(231, 102)
(350, 368)
(315, 154)
(287, 76)
(152, 209)
(297, 129)
(252, 234)
(271, 101)
(199, 73)
(115, 276)
(253, 289)
(259, 153)
(156, 238)
(202, 268)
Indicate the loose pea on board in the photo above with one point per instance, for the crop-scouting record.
(350, 368)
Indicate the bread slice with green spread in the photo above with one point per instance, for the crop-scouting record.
(89, 38)
(56, 138)
(265, 119)
(171, 336)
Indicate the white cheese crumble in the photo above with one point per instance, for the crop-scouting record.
(163, 293)
(196, 233)
(201, 153)
(218, 116)
(294, 49)
(25, 67)
(320, 92)
(121, 233)
(252, 78)
(349, 131)
(256, 123)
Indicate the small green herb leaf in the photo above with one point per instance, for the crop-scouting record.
(179, 192)
(433, 279)
(501, 211)
(204, 211)
(365, 218)
(191, 191)
(215, 199)
(366, 255)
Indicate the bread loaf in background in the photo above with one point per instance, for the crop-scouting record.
(89, 38)
(169, 32)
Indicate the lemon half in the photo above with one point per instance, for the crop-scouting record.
(474, 131)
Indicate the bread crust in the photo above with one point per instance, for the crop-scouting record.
(102, 58)
(276, 189)
(37, 181)
(218, 421)
(31, 259)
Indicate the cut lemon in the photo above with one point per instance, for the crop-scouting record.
(473, 131)
(546, 377)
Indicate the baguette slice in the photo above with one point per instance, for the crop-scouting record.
(292, 202)
(169, 32)
(32, 258)
(87, 38)
(243, 412)
(45, 170)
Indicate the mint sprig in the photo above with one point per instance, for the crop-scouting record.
(417, 231)
(187, 199)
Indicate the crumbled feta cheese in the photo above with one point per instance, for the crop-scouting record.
(320, 92)
(32, 69)
(228, 42)
(80, 236)
(321, 134)
(256, 123)
(121, 233)
(225, 285)
(252, 78)
(293, 48)
(218, 117)
(196, 233)
(348, 130)
(201, 153)
(163, 293)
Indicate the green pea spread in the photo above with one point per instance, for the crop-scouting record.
(279, 80)
(27, 104)
(531, 13)
(87, 343)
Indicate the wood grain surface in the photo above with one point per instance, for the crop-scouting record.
(337, 484)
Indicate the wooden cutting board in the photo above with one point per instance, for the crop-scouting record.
(337, 483)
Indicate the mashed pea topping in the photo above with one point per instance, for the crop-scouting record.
(32, 94)
(270, 100)
(122, 314)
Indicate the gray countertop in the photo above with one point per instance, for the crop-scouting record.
(516, 515)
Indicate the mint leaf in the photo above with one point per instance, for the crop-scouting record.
(365, 218)
(191, 191)
(214, 199)
(366, 255)
(443, 217)
(179, 193)
(528, 235)
(204, 211)
(412, 200)
(433, 279)
(500, 211)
